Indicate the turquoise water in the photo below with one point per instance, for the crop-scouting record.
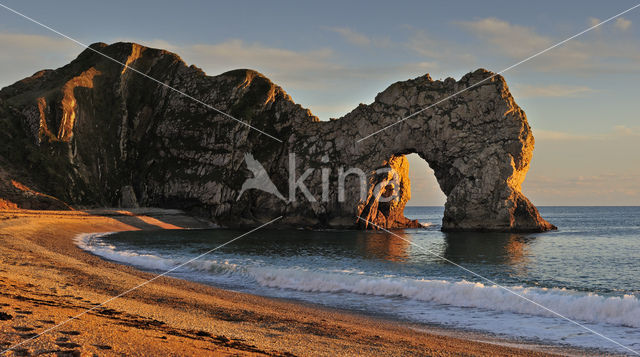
(587, 271)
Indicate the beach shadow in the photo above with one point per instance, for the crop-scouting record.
(139, 221)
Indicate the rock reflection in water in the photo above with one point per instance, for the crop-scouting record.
(486, 248)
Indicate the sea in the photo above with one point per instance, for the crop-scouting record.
(577, 286)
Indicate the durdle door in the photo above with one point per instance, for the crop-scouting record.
(94, 134)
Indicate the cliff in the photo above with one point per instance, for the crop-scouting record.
(94, 133)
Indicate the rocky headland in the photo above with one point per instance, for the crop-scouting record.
(96, 134)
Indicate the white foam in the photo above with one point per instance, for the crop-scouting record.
(92, 242)
(589, 307)
(586, 307)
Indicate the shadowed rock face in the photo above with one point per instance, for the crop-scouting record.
(93, 134)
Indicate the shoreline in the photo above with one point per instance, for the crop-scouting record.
(48, 279)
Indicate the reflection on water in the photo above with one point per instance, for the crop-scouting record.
(459, 247)
(386, 246)
(486, 248)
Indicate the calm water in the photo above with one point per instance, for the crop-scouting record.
(588, 271)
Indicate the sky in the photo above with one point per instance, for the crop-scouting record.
(581, 98)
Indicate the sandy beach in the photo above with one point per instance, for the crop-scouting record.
(45, 279)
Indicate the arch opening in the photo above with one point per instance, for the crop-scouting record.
(426, 204)
(425, 190)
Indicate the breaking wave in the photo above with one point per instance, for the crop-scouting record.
(586, 307)
(589, 307)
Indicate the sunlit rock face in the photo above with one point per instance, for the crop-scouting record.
(94, 134)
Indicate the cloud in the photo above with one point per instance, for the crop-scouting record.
(419, 68)
(577, 168)
(445, 53)
(352, 36)
(286, 65)
(605, 188)
(319, 69)
(540, 134)
(439, 55)
(617, 132)
(359, 39)
(22, 55)
(622, 24)
(554, 90)
(622, 130)
(513, 40)
(308, 74)
(312, 69)
(604, 54)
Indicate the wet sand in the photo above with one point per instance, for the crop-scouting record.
(45, 279)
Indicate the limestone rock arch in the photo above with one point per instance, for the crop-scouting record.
(478, 144)
(135, 137)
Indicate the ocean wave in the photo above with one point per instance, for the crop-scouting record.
(93, 243)
(589, 307)
(586, 307)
